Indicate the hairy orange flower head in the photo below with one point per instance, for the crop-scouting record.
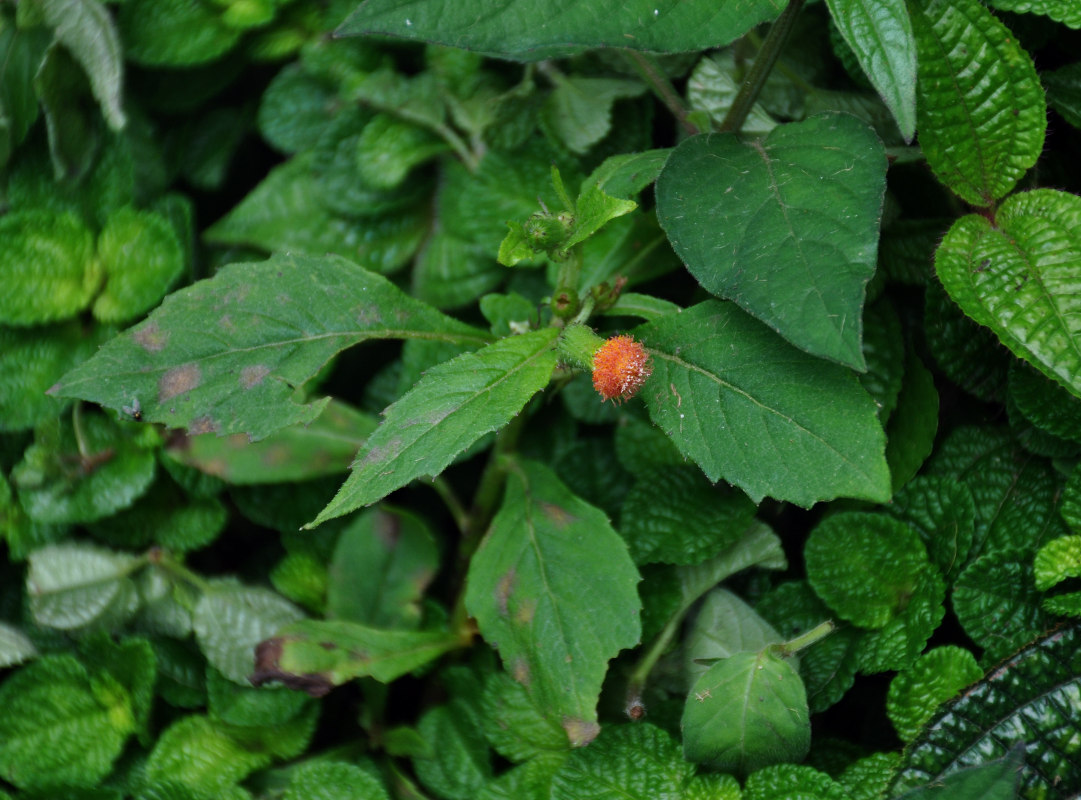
(620, 367)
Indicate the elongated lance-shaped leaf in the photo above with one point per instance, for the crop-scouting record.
(452, 406)
(1029, 700)
(880, 34)
(531, 30)
(787, 227)
(749, 408)
(1020, 275)
(535, 586)
(224, 354)
(982, 113)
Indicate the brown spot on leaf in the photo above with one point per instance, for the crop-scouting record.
(267, 670)
(253, 376)
(503, 591)
(580, 731)
(178, 381)
(151, 338)
(524, 615)
(520, 672)
(559, 516)
(203, 424)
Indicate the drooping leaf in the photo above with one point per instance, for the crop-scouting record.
(786, 227)
(452, 406)
(982, 114)
(525, 589)
(526, 30)
(1017, 277)
(880, 34)
(723, 626)
(71, 586)
(749, 408)
(934, 678)
(275, 324)
(1027, 700)
(746, 712)
(316, 655)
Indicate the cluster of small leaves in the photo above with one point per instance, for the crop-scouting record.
(305, 490)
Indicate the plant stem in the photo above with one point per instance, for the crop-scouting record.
(77, 427)
(653, 75)
(450, 499)
(165, 560)
(756, 78)
(805, 640)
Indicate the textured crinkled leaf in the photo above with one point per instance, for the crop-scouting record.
(1018, 276)
(224, 354)
(897, 644)
(906, 247)
(1063, 87)
(674, 515)
(749, 408)
(880, 35)
(514, 725)
(910, 433)
(203, 755)
(869, 777)
(130, 661)
(62, 478)
(165, 516)
(141, 257)
(970, 355)
(934, 678)
(792, 781)
(173, 33)
(459, 763)
(450, 272)
(230, 620)
(388, 148)
(325, 446)
(1045, 403)
(996, 602)
(724, 626)
(333, 780)
(61, 728)
(626, 762)
(15, 646)
(295, 108)
(713, 86)
(746, 712)
(864, 566)
(70, 586)
(993, 780)
(532, 30)
(712, 786)
(1067, 13)
(982, 113)
(316, 655)
(86, 29)
(525, 591)
(243, 705)
(579, 108)
(1057, 561)
(642, 447)
(1029, 699)
(382, 564)
(829, 668)
(1071, 501)
(943, 512)
(31, 360)
(787, 227)
(21, 534)
(46, 267)
(529, 781)
(884, 352)
(450, 408)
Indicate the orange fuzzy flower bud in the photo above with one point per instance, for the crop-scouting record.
(620, 367)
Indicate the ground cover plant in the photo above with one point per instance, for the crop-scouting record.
(472, 400)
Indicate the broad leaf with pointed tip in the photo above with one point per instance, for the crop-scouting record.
(1020, 275)
(533, 589)
(786, 227)
(748, 407)
(225, 354)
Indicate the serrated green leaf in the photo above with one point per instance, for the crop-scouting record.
(86, 29)
(1057, 561)
(829, 668)
(1066, 13)
(333, 780)
(131, 662)
(181, 673)
(450, 272)
(626, 762)
(1027, 700)
(982, 114)
(141, 257)
(712, 88)
(452, 406)
(880, 34)
(674, 515)
(1045, 403)
(460, 762)
(200, 754)
(173, 33)
(524, 589)
(167, 517)
(230, 620)
(316, 655)
(870, 777)
(294, 108)
(943, 512)
(749, 408)
(46, 265)
(515, 725)
(787, 228)
(61, 727)
(997, 603)
(897, 644)
(242, 705)
(746, 712)
(791, 780)
(580, 108)
(382, 564)
(71, 586)
(1012, 277)
(267, 339)
(528, 30)
(642, 447)
(389, 148)
(15, 646)
(934, 678)
(724, 626)
(529, 781)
